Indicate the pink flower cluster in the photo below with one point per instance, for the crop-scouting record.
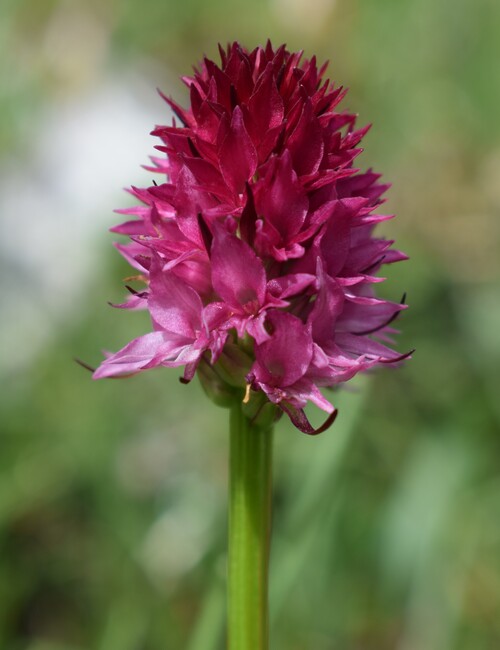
(261, 235)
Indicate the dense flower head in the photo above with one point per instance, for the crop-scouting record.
(257, 251)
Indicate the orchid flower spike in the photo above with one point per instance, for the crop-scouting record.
(257, 250)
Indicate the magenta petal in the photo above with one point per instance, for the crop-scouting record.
(189, 204)
(306, 142)
(133, 302)
(327, 307)
(133, 253)
(207, 176)
(362, 345)
(360, 319)
(257, 329)
(266, 104)
(134, 228)
(336, 241)
(215, 315)
(174, 306)
(238, 158)
(238, 275)
(285, 357)
(265, 113)
(281, 199)
(148, 351)
(290, 285)
(207, 123)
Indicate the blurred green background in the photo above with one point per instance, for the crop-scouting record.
(112, 494)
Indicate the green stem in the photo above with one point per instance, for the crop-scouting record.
(249, 533)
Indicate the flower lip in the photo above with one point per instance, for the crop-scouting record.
(285, 357)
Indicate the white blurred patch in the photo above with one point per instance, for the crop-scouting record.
(56, 206)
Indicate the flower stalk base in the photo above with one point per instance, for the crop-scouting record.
(250, 487)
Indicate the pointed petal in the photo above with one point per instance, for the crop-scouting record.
(238, 158)
(148, 351)
(238, 275)
(336, 241)
(362, 345)
(281, 198)
(327, 307)
(306, 142)
(266, 104)
(174, 306)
